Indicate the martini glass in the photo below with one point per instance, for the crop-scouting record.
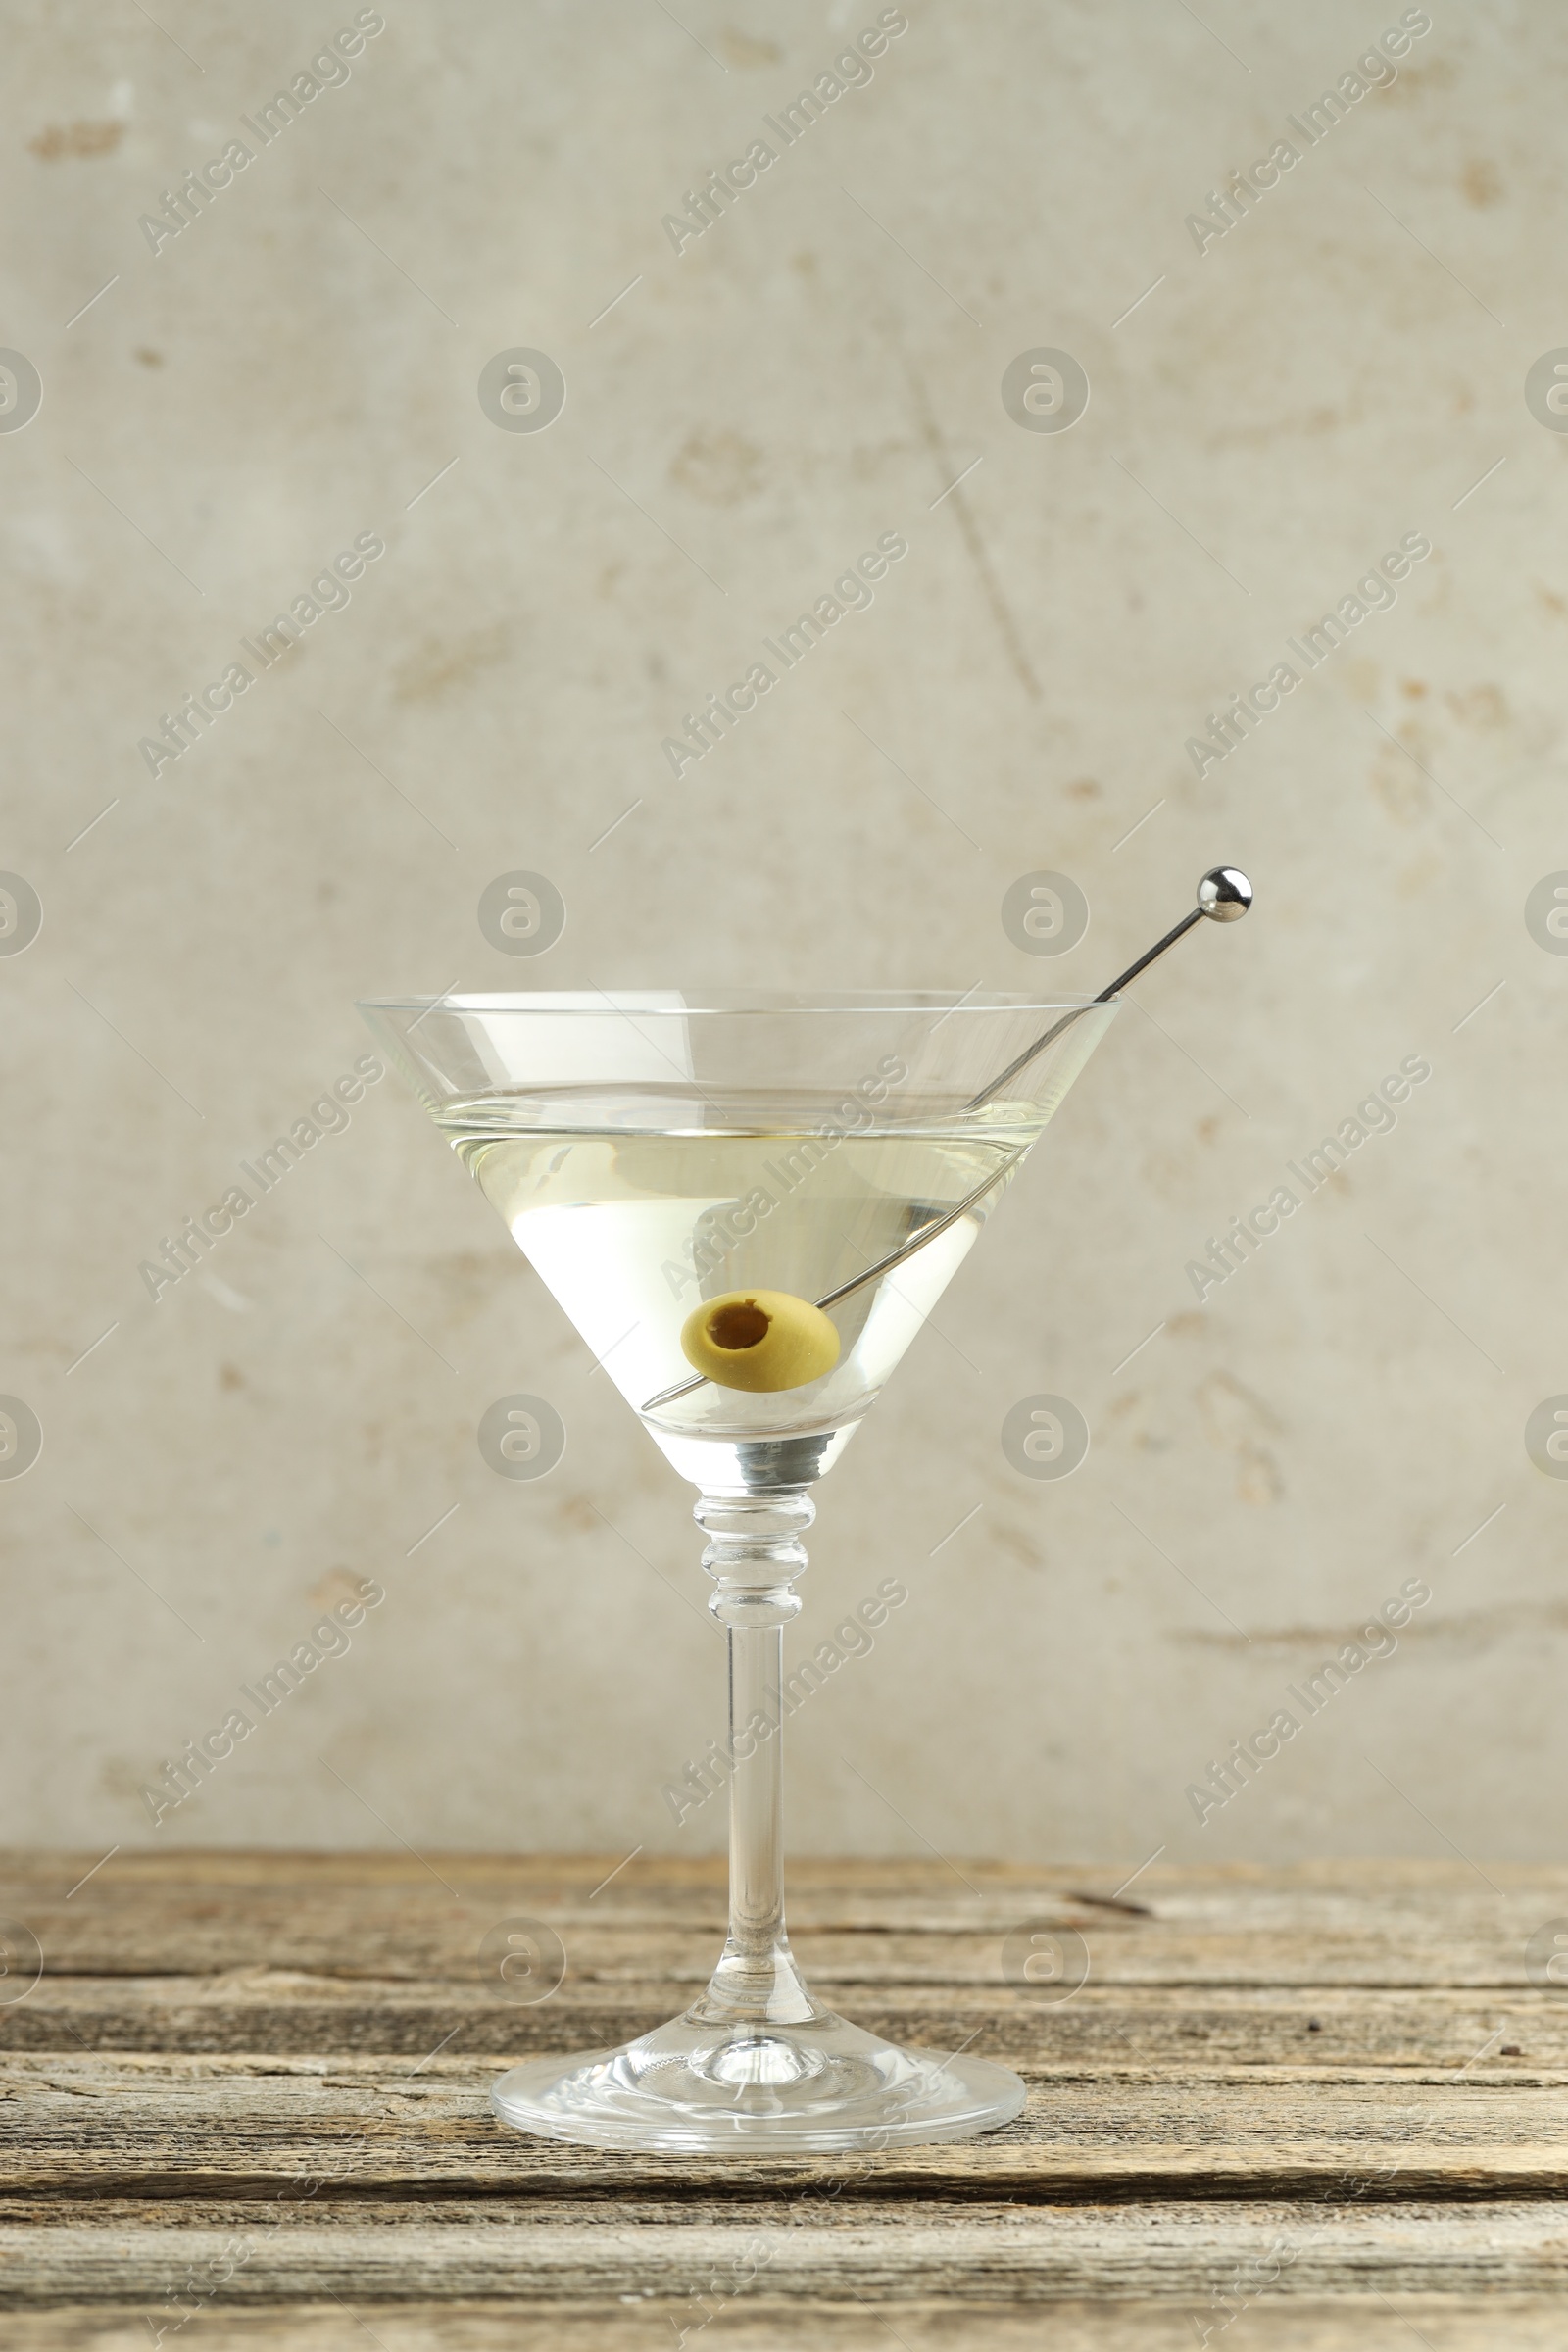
(747, 1204)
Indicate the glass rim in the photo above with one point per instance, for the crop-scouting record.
(719, 1003)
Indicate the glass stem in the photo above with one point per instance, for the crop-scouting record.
(754, 1554)
(756, 1791)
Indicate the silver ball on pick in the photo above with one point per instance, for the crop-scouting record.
(1224, 895)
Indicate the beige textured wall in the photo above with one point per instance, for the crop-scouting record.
(292, 371)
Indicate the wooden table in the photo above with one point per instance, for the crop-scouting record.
(1306, 2108)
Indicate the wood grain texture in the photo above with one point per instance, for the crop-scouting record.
(79, 2125)
(292, 2012)
(1323, 2105)
(886, 2252)
(650, 2323)
(388, 1917)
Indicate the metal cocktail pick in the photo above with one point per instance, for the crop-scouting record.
(1223, 895)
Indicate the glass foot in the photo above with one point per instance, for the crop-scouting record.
(758, 2088)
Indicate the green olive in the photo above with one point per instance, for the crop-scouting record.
(759, 1340)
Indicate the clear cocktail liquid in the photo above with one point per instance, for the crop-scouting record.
(634, 1204)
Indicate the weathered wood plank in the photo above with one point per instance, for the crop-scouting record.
(1265, 2255)
(84, 2127)
(284, 2012)
(382, 1915)
(645, 2322)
